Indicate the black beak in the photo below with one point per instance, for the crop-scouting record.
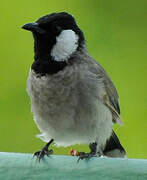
(33, 27)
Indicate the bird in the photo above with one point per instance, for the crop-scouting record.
(73, 99)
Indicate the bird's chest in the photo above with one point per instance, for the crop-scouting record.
(69, 103)
(52, 97)
(69, 95)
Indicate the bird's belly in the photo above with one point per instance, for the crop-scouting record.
(68, 116)
(69, 124)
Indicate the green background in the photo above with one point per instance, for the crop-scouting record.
(116, 36)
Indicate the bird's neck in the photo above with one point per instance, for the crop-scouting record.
(44, 67)
(43, 62)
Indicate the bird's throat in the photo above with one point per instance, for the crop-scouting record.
(44, 67)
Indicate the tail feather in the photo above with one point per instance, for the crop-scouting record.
(113, 147)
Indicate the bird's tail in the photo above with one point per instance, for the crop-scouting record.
(113, 147)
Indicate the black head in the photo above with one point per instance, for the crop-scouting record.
(47, 28)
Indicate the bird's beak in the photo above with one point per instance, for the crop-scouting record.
(33, 27)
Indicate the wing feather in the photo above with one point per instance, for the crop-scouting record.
(110, 98)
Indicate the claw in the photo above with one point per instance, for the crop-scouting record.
(83, 155)
(36, 153)
(44, 151)
(93, 152)
(40, 154)
(49, 152)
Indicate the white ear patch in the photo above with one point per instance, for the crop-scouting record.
(66, 44)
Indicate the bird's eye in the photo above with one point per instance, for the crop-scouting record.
(58, 29)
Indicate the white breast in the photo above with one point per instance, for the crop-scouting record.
(66, 45)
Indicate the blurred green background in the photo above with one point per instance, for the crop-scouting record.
(116, 34)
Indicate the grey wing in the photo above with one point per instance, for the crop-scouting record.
(110, 98)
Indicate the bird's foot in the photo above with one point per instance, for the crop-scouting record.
(83, 155)
(44, 151)
(93, 152)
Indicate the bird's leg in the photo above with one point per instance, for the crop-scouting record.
(93, 152)
(44, 151)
